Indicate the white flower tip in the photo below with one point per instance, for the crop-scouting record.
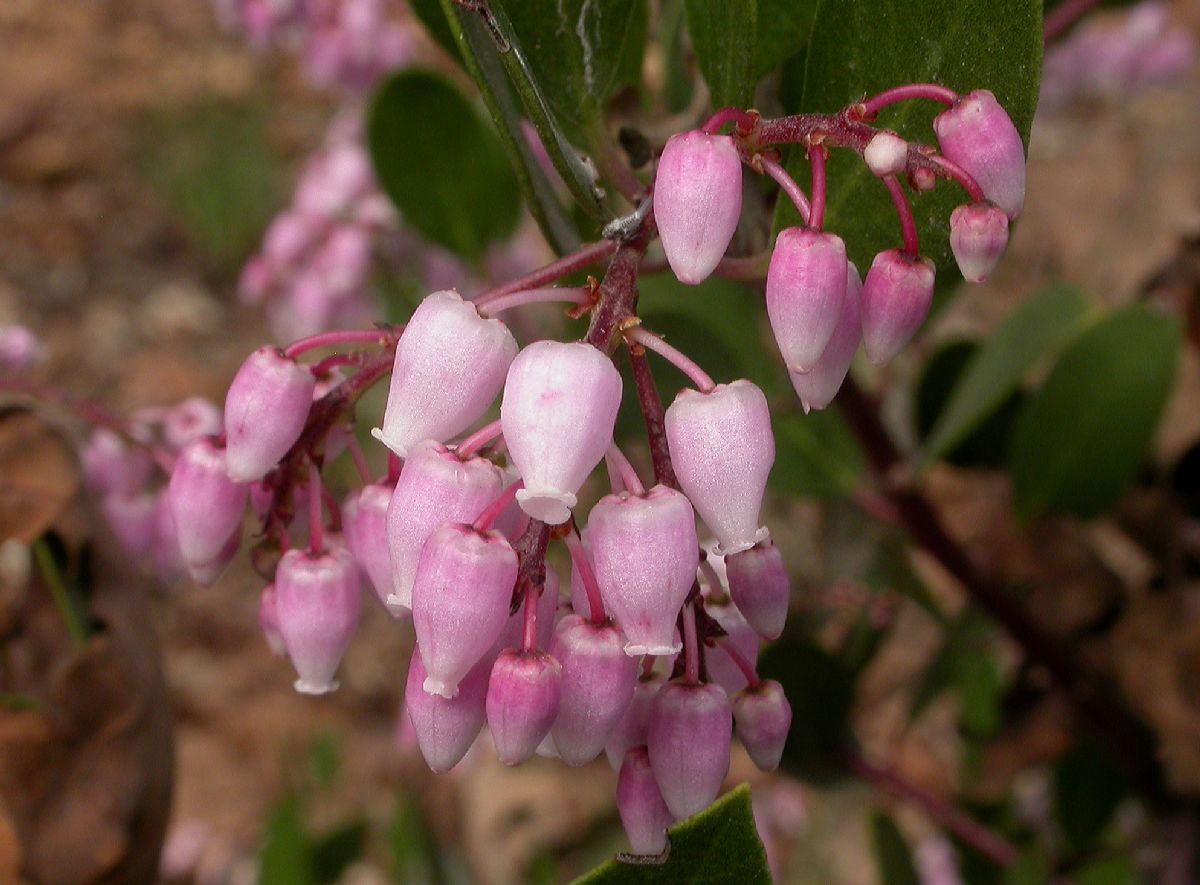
(440, 688)
(552, 508)
(303, 686)
(635, 651)
(761, 535)
(377, 432)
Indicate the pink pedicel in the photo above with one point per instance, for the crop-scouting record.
(547, 616)
(317, 604)
(597, 685)
(886, 154)
(688, 741)
(978, 237)
(631, 730)
(722, 448)
(268, 620)
(697, 202)
(436, 486)
(745, 641)
(806, 285)
(450, 364)
(819, 385)
(979, 136)
(645, 553)
(208, 508)
(560, 405)
(760, 587)
(522, 701)
(111, 466)
(763, 716)
(644, 814)
(895, 301)
(132, 520)
(460, 601)
(364, 523)
(446, 727)
(265, 410)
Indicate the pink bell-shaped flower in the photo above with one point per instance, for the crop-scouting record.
(112, 466)
(644, 814)
(895, 301)
(978, 237)
(763, 716)
(450, 364)
(364, 522)
(722, 449)
(268, 620)
(168, 558)
(697, 202)
(560, 405)
(597, 685)
(208, 508)
(688, 740)
(886, 154)
(265, 410)
(631, 730)
(132, 519)
(460, 602)
(436, 486)
(645, 554)
(818, 386)
(760, 587)
(446, 727)
(317, 605)
(806, 286)
(979, 136)
(522, 701)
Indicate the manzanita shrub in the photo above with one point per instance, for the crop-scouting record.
(853, 160)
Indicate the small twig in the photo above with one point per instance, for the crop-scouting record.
(63, 601)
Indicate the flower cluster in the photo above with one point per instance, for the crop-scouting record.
(346, 45)
(20, 349)
(651, 656)
(819, 306)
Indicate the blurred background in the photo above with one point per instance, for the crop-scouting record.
(148, 149)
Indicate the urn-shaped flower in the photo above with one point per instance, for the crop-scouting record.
(265, 410)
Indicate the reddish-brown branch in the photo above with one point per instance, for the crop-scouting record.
(652, 414)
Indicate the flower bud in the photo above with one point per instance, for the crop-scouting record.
(268, 620)
(818, 386)
(895, 301)
(111, 466)
(645, 553)
(978, 237)
(522, 701)
(763, 716)
(450, 364)
(760, 587)
(722, 449)
(265, 410)
(597, 685)
(208, 508)
(979, 136)
(697, 202)
(364, 521)
(688, 742)
(189, 420)
(461, 596)
(317, 605)
(446, 727)
(631, 730)
(560, 405)
(131, 519)
(644, 814)
(435, 487)
(806, 285)
(886, 154)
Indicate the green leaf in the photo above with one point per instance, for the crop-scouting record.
(723, 38)
(783, 29)
(413, 853)
(430, 14)
(1031, 868)
(859, 49)
(892, 853)
(820, 688)
(1088, 785)
(440, 164)
(1119, 870)
(335, 851)
(325, 758)
(478, 51)
(816, 455)
(1041, 327)
(719, 846)
(1083, 437)
(286, 856)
